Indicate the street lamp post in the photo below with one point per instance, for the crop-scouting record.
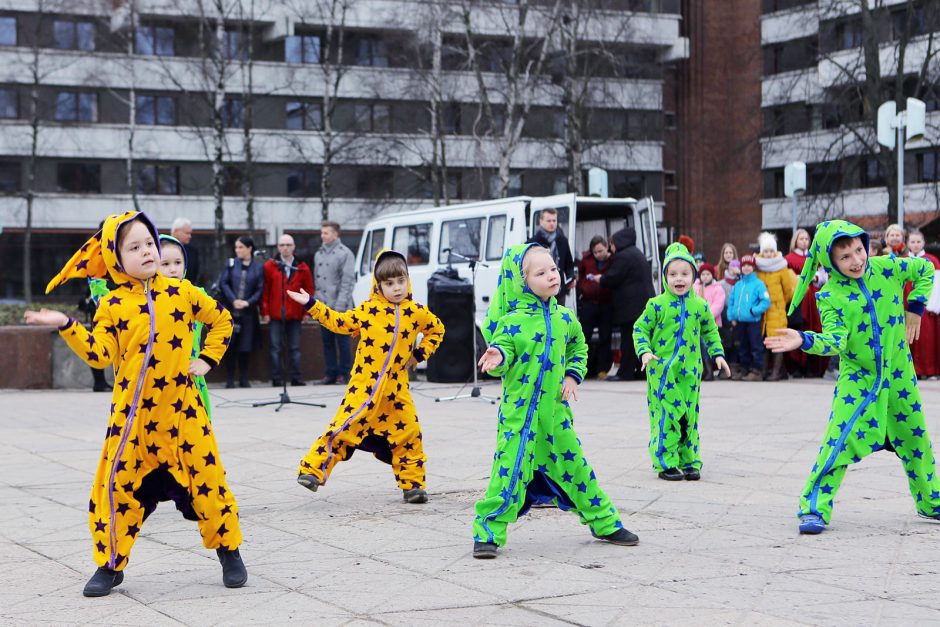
(895, 129)
(794, 183)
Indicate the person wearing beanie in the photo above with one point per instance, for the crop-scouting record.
(689, 244)
(876, 404)
(780, 281)
(749, 300)
(708, 288)
(800, 364)
(668, 338)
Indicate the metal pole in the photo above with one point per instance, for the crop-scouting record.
(901, 172)
(794, 213)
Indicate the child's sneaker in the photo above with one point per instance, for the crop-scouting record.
(234, 573)
(812, 524)
(484, 550)
(672, 474)
(415, 495)
(621, 537)
(692, 474)
(309, 481)
(102, 581)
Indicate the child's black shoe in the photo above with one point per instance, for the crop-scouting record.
(234, 573)
(415, 495)
(692, 474)
(621, 537)
(484, 550)
(102, 581)
(309, 481)
(672, 474)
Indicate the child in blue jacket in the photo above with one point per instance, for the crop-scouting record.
(749, 300)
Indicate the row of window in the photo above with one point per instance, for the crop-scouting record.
(304, 181)
(862, 172)
(163, 110)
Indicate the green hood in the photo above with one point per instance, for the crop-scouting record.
(820, 254)
(674, 252)
(511, 290)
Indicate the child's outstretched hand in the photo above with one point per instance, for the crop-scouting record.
(198, 368)
(647, 358)
(786, 340)
(301, 297)
(569, 389)
(912, 327)
(723, 366)
(44, 316)
(491, 359)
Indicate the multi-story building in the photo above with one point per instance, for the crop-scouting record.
(134, 106)
(818, 107)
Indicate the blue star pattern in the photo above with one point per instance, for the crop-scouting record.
(876, 404)
(538, 457)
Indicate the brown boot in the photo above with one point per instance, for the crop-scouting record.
(777, 373)
(736, 372)
(753, 375)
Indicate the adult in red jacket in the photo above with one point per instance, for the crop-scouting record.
(274, 301)
(799, 363)
(594, 310)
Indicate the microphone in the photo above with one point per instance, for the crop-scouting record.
(284, 264)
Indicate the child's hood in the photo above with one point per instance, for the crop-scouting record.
(820, 254)
(675, 252)
(173, 240)
(97, 258)
(376, 289)
(511, 290)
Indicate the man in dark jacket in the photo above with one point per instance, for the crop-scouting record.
(629, 278)
(551, 237)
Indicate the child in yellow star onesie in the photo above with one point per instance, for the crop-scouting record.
(377, 414)
(159, 444)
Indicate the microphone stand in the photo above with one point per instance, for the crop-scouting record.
(475, 391)
(285, 398)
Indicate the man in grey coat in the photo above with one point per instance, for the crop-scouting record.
(334, 268)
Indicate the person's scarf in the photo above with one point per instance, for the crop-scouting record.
(773, 264)
(551, 238)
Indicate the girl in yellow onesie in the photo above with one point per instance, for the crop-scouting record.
(377, 413)
(159, 444)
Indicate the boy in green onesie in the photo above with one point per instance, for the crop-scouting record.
(668, 337)
(876, 403)
(538, 349)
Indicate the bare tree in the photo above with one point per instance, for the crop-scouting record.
(509, 73)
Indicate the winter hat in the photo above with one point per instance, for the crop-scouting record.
(734, 263)
(687, 241)
(707, 267)
(748, 260)
(699, 257)
(767, 241)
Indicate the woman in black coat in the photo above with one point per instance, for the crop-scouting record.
(242, 283)
(629, 278)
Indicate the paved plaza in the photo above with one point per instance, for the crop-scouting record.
(723, 551)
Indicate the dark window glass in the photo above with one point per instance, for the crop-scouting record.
(381, 118)
(233, 111)
(166, 110)
(233, 181)
(304, 116)
(372, 51)
(82, 178)
(158, 179)
(76, 107)
(450, 118)
(303, 183)
(9, 104)
(157, 41)
(414, 242)
(461, 236)
(7, 31)
(302, 49)
(872, 173)
(73, 35)
(495, 238)
(236, 45)
(9, 177)
(928, 166)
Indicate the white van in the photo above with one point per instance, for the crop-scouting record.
(484, 230)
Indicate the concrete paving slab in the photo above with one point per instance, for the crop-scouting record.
(723, 551)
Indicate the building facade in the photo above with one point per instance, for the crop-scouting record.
(819, 101)
(255, 115)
